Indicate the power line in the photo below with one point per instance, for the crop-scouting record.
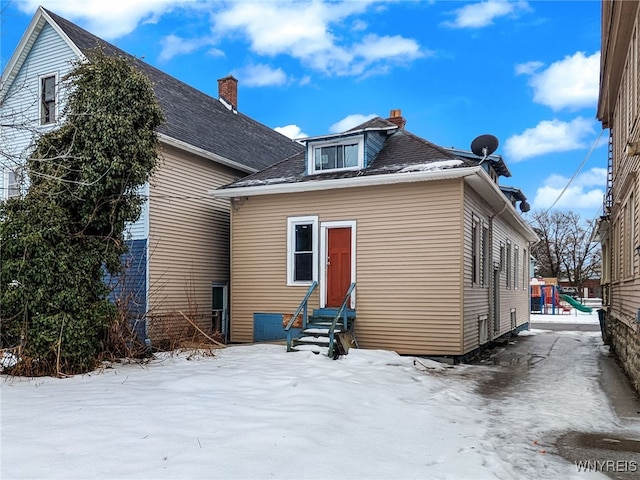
(577, 172)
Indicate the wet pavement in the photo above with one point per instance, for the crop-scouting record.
(616, 453)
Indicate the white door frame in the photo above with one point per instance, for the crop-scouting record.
(324, 235)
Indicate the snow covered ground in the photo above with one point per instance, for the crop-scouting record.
(574, 316)
(257, 412)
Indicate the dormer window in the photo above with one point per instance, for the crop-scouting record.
(336, 156)
(345, 154)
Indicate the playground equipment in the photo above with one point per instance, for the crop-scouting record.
(547, 299)
(576, 304)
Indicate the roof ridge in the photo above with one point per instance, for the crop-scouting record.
(118, 50)
(191, 116)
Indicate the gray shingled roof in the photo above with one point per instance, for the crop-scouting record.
(196, 118)
(401, 150)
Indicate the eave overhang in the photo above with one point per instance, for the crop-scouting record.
(203, 153)
(618, 19)
(475, 177)
(600, 231)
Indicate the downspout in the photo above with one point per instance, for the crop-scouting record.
(492, 283)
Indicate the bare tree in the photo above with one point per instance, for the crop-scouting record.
(565, 249)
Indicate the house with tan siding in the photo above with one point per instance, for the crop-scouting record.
(617, 230)
(178, 257)
(436, 254)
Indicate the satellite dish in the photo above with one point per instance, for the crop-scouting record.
(484, 145)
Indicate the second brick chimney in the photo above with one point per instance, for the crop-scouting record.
(396, 117)
(228, 91)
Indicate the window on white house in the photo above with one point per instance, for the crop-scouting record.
(302, 250)
(629, 236)
(48, 99)
(12, 182)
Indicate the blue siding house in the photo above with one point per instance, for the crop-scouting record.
(178, 256)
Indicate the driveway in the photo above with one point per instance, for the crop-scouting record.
(549, 345)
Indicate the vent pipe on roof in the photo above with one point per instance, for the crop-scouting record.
(228, 91)
(396, 117)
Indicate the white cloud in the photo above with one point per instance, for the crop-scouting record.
(528, 68)
(585, 192)
(477, 15)
(173, 45)
(291, 131)
(373, 48)
(261, 75)
(325, 35)
(547, 137)
(304, 31)
(107, 19)
(570, 83)
(350, 121)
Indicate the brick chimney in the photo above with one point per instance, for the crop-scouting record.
(396, 117)
(228, 91)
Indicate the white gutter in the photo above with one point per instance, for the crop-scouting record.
(204, 153)
(475, 177)
(351, 182)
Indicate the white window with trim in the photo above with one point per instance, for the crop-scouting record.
(475, 250)
(485, 255)
(525, 270)
(343, 154)
(516, 266)
(508, 267)
(302, 250)
(628, 239)
(48, 99)
(12, 183)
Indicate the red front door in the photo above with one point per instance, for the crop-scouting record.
(338, 265)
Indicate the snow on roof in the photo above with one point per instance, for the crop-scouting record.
(432, 166)
(267, 181)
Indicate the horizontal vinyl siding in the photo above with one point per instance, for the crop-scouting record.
(478, 300)
(188, 241)
(139, 230)
(511, 297)
(50, 54)
(476, 297)
(407, 271)
(623, 237)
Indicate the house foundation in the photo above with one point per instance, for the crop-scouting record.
(624, 343)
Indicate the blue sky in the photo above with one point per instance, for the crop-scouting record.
(526, 72)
